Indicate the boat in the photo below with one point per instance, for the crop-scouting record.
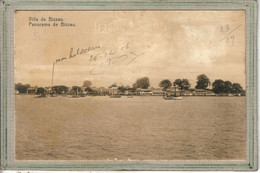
(41, 96)
(130, 96)
(75, 96)
(53, 95)
(172, 96)
(115, 96)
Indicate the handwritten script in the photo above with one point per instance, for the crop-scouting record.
(228, 34)
(102, 57)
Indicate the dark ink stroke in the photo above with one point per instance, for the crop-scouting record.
(124, 59)
(104, 58)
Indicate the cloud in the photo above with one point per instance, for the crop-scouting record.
(174, 44)
(202, 44)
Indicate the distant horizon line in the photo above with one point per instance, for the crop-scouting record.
(131, 85)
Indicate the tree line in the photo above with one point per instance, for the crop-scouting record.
(183, 84)
(203, 82)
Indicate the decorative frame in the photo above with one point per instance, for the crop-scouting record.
(7, 9)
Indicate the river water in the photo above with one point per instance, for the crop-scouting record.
(139, 128)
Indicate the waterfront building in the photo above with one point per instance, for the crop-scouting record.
(174, 91)
(146, 92)
(128, 92)
(203, 92)
(200, 92)
(157, 92)
(102, 91)
(210, 93)
(186, 93)
(32, 90)
(48, 90)
(113, 91)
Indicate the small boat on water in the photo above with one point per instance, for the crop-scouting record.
(72, 96)
(115, 96)
(172, 97)
(53, 95)
(41, 96)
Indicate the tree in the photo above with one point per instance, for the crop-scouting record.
(59, 89)
(177, 82)
(227, 87)
(184, 84)
(165, 84)
(41, 91)
(134, 85)
(132, 89)
(76, 89)
(218, 86)
(143, 83)
(202, 82)
(87, 83)
(113, 85)
(88, 89)
(22, 88)
(122, 89)
(237, 88)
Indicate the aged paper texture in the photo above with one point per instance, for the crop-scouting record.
(130, 85)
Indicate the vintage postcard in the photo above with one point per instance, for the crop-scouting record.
(129, 87)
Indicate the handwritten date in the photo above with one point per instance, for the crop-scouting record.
(103, 58)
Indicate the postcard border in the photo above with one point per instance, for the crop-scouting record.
(251, 88)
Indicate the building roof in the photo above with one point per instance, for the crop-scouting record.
(200, 90)
(114, 88)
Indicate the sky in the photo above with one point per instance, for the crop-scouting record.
(121, 46)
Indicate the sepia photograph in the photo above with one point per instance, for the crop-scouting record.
(130, 85)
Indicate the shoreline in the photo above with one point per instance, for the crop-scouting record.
(129, 95)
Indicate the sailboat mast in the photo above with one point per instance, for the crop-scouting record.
(175, 90)
(52, 75)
